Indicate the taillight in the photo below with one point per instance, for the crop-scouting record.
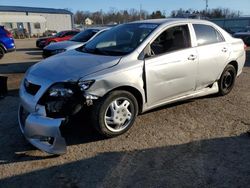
(245, 46)
(9, 34)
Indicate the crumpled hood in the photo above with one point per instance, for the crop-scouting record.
(63, 45)
(71, 65)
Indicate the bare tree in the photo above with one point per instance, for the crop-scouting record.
(157, 14)
(80, 16)
(210, 13)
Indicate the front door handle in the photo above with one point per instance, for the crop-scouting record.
(192, 57)
(224, 49)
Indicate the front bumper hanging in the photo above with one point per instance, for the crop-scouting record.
(42, 132)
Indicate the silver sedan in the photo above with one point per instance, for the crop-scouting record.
(130, 69)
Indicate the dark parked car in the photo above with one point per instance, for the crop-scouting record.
(75, 42)
(7, 43)
(61, 36)
(245, 36)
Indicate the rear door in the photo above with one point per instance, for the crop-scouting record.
(213, 54)
(171, 65)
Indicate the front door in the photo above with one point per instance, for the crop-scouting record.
(171, 67)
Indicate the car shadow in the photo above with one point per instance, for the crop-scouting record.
(11, 68)
(80, 130)
(27, 49)
(218, 162)
(35, 53)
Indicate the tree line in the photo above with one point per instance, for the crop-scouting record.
(114, 16)
(209, 14)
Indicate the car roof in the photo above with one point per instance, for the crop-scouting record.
(171, 20)
(241, 33)
(66, 31)
(96, 28)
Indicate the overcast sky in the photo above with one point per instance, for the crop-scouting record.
(150, 5)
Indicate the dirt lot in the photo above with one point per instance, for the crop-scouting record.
(197, 143)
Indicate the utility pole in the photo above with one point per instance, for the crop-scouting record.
(206, 5)
(140, 12)
(102, 17)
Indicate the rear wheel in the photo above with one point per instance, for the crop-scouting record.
(115, 114)
(227, 80)
(2, 52)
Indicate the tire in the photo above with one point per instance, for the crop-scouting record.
(227, 80)
(115, 113)
(2, 52)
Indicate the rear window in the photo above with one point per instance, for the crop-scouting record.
(84, 36)
(71, 33)
(206, 34)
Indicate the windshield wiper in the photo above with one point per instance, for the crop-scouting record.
(95, 51)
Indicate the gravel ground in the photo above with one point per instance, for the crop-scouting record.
(196, 143)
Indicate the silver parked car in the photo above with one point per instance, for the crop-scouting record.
(75, 42)
(127, 70)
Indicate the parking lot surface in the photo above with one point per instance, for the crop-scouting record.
(197, 143)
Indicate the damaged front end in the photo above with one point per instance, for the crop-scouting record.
(41, 123)
(42, 132)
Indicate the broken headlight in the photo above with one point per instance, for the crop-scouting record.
(58, 51)
(85, 84)
(62, 100)
(58, 91)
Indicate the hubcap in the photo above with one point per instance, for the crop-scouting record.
(118, 115)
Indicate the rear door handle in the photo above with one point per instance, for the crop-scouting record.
(192, 57)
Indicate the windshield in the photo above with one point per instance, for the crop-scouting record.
(59, 34)
(120, 40)
(84, 36)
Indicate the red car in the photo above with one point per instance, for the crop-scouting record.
(61, 36)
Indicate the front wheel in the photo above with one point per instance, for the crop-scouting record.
(227, 80)
(114, 114)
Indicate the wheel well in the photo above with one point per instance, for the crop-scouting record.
(136, 94)
(2, 46)
(235, 64)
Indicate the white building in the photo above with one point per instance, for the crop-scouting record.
(35, 20)
(88, 21)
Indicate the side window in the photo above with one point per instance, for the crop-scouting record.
(172, 39)
(63, 34)
(68, 33)
(74, 32)
(206, 34)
